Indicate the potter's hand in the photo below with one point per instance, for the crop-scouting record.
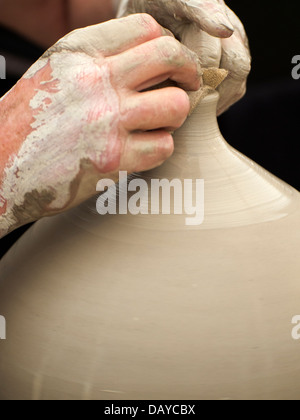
(78, 115)
(235, 58)
(208, 15)
(209, 28)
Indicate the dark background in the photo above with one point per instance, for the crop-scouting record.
(265, 124)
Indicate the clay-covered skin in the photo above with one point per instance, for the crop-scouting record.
(79, 114)
(209, 28)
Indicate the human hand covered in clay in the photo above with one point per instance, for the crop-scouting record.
(79, 114)
(209, 28)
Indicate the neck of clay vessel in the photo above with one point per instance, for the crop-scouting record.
(201, 130)
(199, 146)
(238, 192)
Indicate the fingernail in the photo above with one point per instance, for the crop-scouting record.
(229, 28)
(167, 32)
(223, 22)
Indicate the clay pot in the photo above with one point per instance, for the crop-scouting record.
(148, 307)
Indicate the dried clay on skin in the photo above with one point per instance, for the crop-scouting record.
(43, 155)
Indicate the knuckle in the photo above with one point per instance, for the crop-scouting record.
(171, 51)
(245, 68)
(166, 146)
(242, 92)
(169, 147)
(238, 94)
(248, 65)
(184, 102)
(241, 67)
(245, 62)
(148, 23)
(179, 106)
(236, 58)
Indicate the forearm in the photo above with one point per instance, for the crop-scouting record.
(16, 126)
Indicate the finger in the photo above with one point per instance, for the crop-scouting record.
(208, 15)
(207, 47)
(237, 24)
(236, 59)
(211, 17)
(145, 151)
(162, 108)
(157, 60)
(113, 37)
